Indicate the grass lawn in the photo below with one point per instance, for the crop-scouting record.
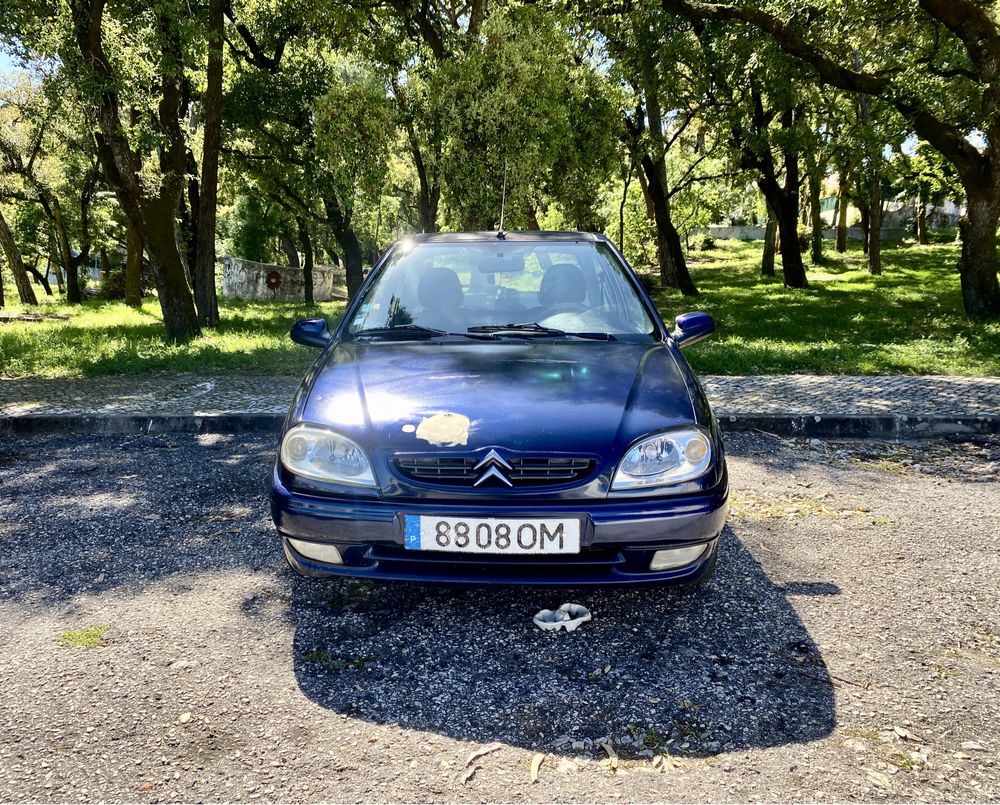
(110, 338)
(908, 321)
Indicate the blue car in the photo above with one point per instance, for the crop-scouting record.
(502, 408)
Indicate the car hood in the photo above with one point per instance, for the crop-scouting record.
(563, 396)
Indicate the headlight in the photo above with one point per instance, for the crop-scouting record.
(321, 454)
(667, 458)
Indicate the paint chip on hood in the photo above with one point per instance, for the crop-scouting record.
(445, 430)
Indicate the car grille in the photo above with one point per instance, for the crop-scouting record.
(525, 470)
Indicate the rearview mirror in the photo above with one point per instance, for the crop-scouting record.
(690, 328)
(311, 333)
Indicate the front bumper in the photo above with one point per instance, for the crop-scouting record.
(617, 539)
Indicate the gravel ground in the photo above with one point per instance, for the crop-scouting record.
(156, 648)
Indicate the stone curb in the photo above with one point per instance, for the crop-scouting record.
(845, 426)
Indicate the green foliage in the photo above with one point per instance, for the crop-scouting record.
(252, 229)
(520, 111)
(353, 129)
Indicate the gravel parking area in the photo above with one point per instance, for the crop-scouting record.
(155, 648)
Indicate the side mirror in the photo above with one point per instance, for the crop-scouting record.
(311, 333)
(690, 328)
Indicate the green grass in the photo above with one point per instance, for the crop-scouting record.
(908, 321)
(109, 338)
(91, 637)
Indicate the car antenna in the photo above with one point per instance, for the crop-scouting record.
(501, 235)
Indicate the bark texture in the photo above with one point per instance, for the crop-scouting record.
(206, 300)
(24, 290)
(151, 211)
(842, 202)
(133, 267)
(770, 243)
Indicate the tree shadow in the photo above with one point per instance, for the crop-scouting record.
(729, 668)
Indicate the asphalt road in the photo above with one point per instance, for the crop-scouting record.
(848, 648)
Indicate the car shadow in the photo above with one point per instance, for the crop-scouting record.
(731, 667)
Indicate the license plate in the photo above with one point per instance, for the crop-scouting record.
(492, 535)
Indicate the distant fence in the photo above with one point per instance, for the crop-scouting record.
(246, 279)
(757, 233)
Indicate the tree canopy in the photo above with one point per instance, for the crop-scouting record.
(320, 130)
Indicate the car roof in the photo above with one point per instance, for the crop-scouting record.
(524, 235)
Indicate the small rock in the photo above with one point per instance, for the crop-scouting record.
(973, 746)
(184, 717)
(183, 665)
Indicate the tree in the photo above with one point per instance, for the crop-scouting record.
(923, 176)
(48, 158)
(759, 99)
(938, 65)
(516, 103)
(24, 290)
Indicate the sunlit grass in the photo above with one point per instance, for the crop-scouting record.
(908, 321)
(110, 338)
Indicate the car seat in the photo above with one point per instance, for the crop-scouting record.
(440, 295)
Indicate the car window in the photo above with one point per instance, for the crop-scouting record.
(571, 286)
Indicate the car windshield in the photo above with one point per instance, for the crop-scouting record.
(546, 287)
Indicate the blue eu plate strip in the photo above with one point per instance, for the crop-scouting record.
(412, 532)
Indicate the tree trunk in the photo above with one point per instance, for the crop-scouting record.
(922, 238)
(347, 238)
(627, 180)
(133, 267)
(978, 263)
(770, 238)
(70, 265)
(24, 290)
(784, 204)
(307, 254)
(105, 265)
(865, 227)
(816, 217)
(842, 203)
(673, 267)
(40, 278)
(288, 247)
(792, 267)
(176, 302)
(875, 228)
(54, 261)
(206, 299)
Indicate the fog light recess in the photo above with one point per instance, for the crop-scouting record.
(676, 557)
(318, 551)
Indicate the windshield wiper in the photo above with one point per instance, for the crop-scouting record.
(404, 330)
(520, 328)
(534, 328)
